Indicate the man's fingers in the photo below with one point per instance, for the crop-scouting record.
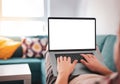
(75, 62)
(83, 62)
(61, 58)
(58, 60)
(65, 59)
(69, 59)
(85, 56)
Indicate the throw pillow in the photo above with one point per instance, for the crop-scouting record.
(34, 47)
(7, 47)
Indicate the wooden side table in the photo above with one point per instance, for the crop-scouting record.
(15, 72)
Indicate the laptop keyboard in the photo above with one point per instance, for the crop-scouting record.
(73, 56)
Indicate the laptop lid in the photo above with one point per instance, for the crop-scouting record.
(71, 34)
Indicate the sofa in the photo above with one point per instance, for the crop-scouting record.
(37, 65)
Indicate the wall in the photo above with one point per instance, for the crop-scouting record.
(107, 12)
(63, 7)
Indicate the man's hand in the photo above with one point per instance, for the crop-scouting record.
(64, 68)
(93, 64)
(64, 65)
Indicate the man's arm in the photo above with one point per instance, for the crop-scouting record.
(64, 68)
(62, 79)
(93, 64)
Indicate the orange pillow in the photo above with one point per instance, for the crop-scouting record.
(7, 47)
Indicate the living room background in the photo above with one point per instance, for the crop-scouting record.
(23, 17)
(107, 13)
(28, 17)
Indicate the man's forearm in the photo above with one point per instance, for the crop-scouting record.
(105, 71)
(62, 79)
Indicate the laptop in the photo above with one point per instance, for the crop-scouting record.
(71, 36)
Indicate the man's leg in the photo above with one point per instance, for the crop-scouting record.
(50, 78)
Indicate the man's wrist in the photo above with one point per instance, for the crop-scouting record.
(106, 71)
(62, 78)
(63, 74)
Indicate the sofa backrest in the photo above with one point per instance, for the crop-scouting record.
(106, 46)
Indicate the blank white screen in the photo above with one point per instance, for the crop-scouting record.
(71, 34)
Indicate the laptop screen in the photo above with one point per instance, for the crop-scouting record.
(69, 34)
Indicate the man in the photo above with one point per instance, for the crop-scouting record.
(65, 68)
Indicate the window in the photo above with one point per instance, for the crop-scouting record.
(23, 17)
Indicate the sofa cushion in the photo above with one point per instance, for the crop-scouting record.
(18, 52)
(107, 52)
(7, 47)
(100, 39)
(34, 47)
(31, 47)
